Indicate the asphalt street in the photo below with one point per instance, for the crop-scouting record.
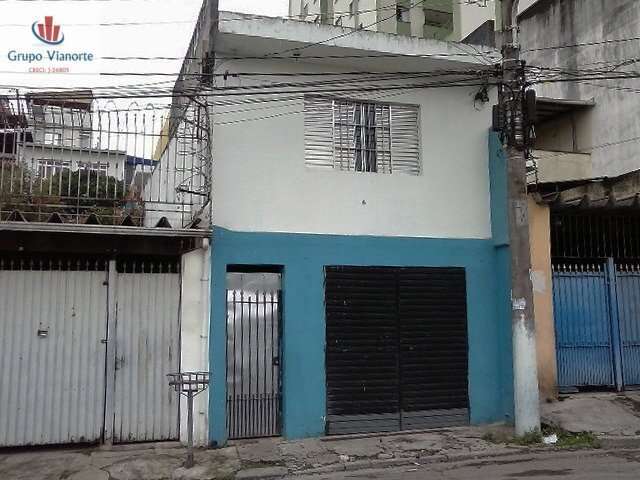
(580, 465)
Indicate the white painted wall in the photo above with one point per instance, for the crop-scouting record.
(261, 183)
(471, 16)
(194, 335)
(177, 168)
(33, 154)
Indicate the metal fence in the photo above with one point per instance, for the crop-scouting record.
(67, 159)
(253, 356)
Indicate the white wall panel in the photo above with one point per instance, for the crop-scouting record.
(262, 184)
(52, 384)
(194, 352)
(147, 349)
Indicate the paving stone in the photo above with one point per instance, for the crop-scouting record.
(605, 413)
(157, 467)
(265, 450)
(198, 472)
(90, 473)
(307, 452)
(356, 447)
(265, 473)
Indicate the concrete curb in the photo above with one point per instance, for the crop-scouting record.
(611, 442)
(402, 461)
(265, 473)
(434, 459)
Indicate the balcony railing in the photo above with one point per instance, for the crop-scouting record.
(136, 166)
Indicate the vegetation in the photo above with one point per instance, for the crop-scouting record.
(566, 439)
(71, 194)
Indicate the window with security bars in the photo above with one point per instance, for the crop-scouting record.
(361, 136)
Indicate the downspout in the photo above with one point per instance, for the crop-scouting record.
(205, 289)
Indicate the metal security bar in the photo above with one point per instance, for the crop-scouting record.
(362, 136)
(253, 355)
(65, 158)
(595, 235)
(352, 135)
(582, 324)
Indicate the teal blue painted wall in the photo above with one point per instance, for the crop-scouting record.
(303, 258)
(500, 234)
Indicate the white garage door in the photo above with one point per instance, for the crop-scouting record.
(57, 384)
(53, 320)
(147, 349)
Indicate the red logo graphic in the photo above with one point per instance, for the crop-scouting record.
(47, 32)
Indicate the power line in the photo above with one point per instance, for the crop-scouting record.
(157, 88)
(224, 93)
(582, 44)
(239, 74)
(305, 57)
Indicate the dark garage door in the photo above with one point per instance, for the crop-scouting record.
(396, 348)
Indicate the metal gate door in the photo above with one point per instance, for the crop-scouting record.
(628, 297)
(396, 348)
(253, 355)
(147, 348)
(362, 350)
(432, 313)
(53, 322)
(584, 346)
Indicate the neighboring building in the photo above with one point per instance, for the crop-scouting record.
(584, 202)
(97, 305)
(61, 130)
(478, 26)
(468, 21)
(62, 119)
(360, 265)
(13, 131)
(432, 19)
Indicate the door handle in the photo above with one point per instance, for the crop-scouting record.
(276, 361)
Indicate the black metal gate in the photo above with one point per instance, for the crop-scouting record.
(396, 351)
(253, 355)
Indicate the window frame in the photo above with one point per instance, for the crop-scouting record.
(361, 156)
(405, 153)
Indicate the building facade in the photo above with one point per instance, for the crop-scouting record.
(584, 213)
(432, 19)
(98, 304)
(346, 241)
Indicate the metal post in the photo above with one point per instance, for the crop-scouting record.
(616, 342)
(189, 462)
(109, 408)
(525, 375)
(189, 384)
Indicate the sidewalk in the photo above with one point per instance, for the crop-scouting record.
(328, 454)
(613, 417)
(264, 458)
(267, 458)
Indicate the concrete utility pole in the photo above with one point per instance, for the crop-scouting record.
(525, 375)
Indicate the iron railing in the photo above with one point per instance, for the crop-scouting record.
(595, 235)
(82, 163)
(253, 363)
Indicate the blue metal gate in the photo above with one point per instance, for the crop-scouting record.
(628, 296)
(597, 323)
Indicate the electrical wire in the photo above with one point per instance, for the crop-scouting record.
(581, 44)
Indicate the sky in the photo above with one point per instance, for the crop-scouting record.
(167, 29)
